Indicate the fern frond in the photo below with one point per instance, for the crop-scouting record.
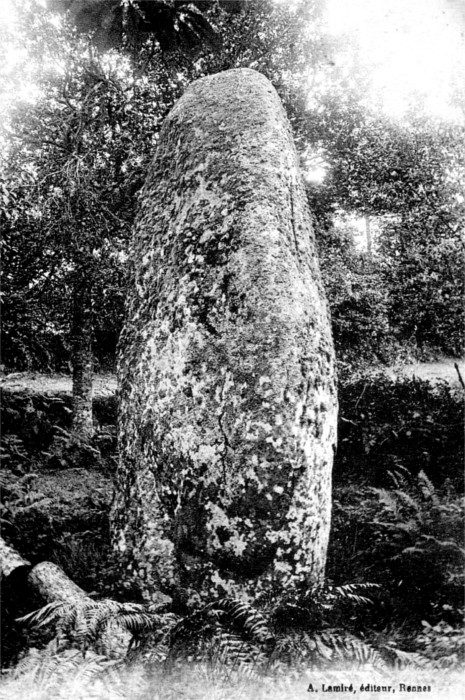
(265, 599)
(227, 614)
(138, 622)
(47, 615)
(429, 545)
(324, 649)
(347, 647)
(400, 659)
(387, 498)
(426, 487)
(407, 500)
(400, 477)
(245, 618)
(95, 624)
(292, 649)
(352, 592)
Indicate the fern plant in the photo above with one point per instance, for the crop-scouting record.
(409, 538)
(105, 626)
(229, 635)
(230, 638)
(59, 674)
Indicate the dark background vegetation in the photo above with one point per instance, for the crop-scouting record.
(69, 182)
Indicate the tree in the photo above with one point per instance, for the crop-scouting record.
(175, 25)
(364, 152)
(69, 145)
(82, 147)
(406, 177)
(130, 101)
(84, 144)
(69, 194)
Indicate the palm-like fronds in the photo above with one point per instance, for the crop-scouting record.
(350, 649)
(43, 666)
(106, 625)
(228, 636)
(48, 615)
(233, 614)
(177, 26)
(53, 674)
(400, 659)
(245, 618)
(352, 592)
(293, 649)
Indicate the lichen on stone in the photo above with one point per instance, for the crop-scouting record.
(227, 388)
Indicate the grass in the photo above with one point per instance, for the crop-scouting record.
(71, 676)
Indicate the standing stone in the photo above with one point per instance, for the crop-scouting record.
(227, 381)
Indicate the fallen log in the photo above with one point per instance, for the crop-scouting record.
(40, 584)
(26, 589)
(10, 559)
(51, 584)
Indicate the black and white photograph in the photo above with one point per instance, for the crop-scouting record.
(232, 375)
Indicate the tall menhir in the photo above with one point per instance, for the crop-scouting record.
(228, 405)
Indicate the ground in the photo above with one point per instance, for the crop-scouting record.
(105, 384)
(442, 369)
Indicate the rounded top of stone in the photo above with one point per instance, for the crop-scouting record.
(234, 75)
(235, 72)
(227, 88)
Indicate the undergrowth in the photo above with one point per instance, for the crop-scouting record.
(398, 522)
(295, 630)
(230, 649)
(48, 675)
(410, 539)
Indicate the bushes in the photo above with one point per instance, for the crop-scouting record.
(42, 512)
(268, 636)
(33, 418)
(398, 513)
(398, 518)
(408, 426)
(358, 300)
(409, 539)
(443, 643)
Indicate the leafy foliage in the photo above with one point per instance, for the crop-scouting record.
(359, 302)
(408, 425)
(19, 498)
(67, 196)
(69, 183)
(69, 180)
(409, 538)
(93, 624)
(228, 634)
(443, 643)
(406, 177)
(174, 26)
(229, 640)
(406, 535)
(61, 674)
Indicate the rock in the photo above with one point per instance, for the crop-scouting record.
(227, 381)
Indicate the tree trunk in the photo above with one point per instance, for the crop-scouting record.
(369, 239)
(228, 405)
(82, 353)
